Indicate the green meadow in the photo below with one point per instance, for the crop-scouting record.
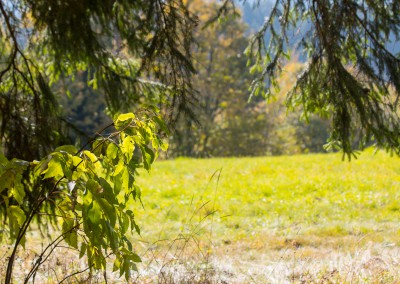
(288, 219)
(320, 194)
(267, 208)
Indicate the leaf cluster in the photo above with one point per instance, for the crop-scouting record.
(85, 193)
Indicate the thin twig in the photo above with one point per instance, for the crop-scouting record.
(53, 245)
(75, 273)
(34, 212)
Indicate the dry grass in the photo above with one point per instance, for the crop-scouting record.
(184, 262)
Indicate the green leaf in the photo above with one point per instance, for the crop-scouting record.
(90, 155)
(126, 116)
(71, 236)
(124, 223)
(54, 168)
(137, 229)
(128, 146)
(138, 192)
(164, 145)
(128, 254)
(133, 223)
(93, 187)
(119, 167)
(78, 166)
(17, 191)
(97, 147)
(117, 264)
(6, 180)
(286, 55)
(134, 257)
(117, 184)
(123, 120)
(109, 211)
(148, 156)
(66, 205)
(94, 213)
(76, 161)
(112, 151)
(111, 235)
(16, 217)
(127, 180)
(127, 269)
(108, 192)
(70, 149)
(17, 214)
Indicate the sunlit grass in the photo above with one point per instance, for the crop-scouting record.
(312, 194)
(321, 214)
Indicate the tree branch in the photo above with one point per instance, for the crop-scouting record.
(14, 39)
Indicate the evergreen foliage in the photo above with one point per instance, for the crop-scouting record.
(118, 43)
(352, 76)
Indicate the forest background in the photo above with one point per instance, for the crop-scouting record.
(225, 123)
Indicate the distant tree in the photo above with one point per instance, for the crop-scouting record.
(289, 134)
(221, 91)
(227, 123)
(340, 35)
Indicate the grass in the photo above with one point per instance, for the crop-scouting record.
(310, 210)
(288, 219)
(318, 194)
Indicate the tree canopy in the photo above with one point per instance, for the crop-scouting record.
(352, 74)
(123, 46)
(128, 49)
